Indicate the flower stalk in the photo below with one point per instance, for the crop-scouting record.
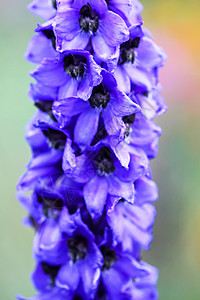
(88, 189)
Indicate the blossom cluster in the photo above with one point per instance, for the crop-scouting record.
(88, 188)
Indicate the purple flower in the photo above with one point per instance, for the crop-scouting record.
(145, 286)
(102, 175)
(106, 102)
(46, 160)
(87, 20)
(142, 133)
(139, 56)
(132, 224)
(124, 269)
(69, 242)
(73, 74)
(151, 103)
(42, 45)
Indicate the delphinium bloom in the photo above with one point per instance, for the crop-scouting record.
(88, 189)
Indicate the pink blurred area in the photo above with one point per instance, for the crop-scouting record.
(180, 75)
(176, 27)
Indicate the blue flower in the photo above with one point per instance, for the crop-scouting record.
(46, 160)
(139, 56)
(106, 102)
(126, 272)
(101, 174)
(89, 20)
(74, 73)
(42, 45)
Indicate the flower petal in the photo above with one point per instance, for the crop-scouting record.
(114, 29)
(140, 77)
(149, 55)
(113, 125)
(35, 54)
(90, 270)
(122, 189)
(68, 108)
(68, 276)
(99, 5)
(66, 24)
(101, 48)
(86, 127)
(95, 195)
(42, 92)
(41, 281)
(69, 89)
(80, 41)
(123, 80)
(42, 8)
(50, 72)
(145, 191)
(122, 105)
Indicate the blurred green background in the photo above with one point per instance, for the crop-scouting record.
(175, 25)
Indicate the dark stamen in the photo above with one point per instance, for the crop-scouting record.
(77, 247)
(77, 298)
(128, 120)
(121, 201)
(52, 271)
(75, 65)
(101, 292)
(89, 20)
(50, 35)
(34, 224)
(54, 4)
(109, 257)
(101, 133)
(51, 205)
(100, 97)
(127, 51)
(135, 42)
(46, 106)
(103, 161)
(146, 93)
(57, 139)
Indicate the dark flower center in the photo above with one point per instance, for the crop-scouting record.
(46, 106)
(33, 222)
(100, 97)
(103, 161)
(100, 135)
(57, 139)
(54, 4)
(146, 93)
(51, 205)
(89, 20)
(109, 257)
(127, 51)
(121, 201)
(77, 247)
(101, 292)
(52, 271)
(50, 36)
(75, 65)
(77, 298)
(128, 120)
